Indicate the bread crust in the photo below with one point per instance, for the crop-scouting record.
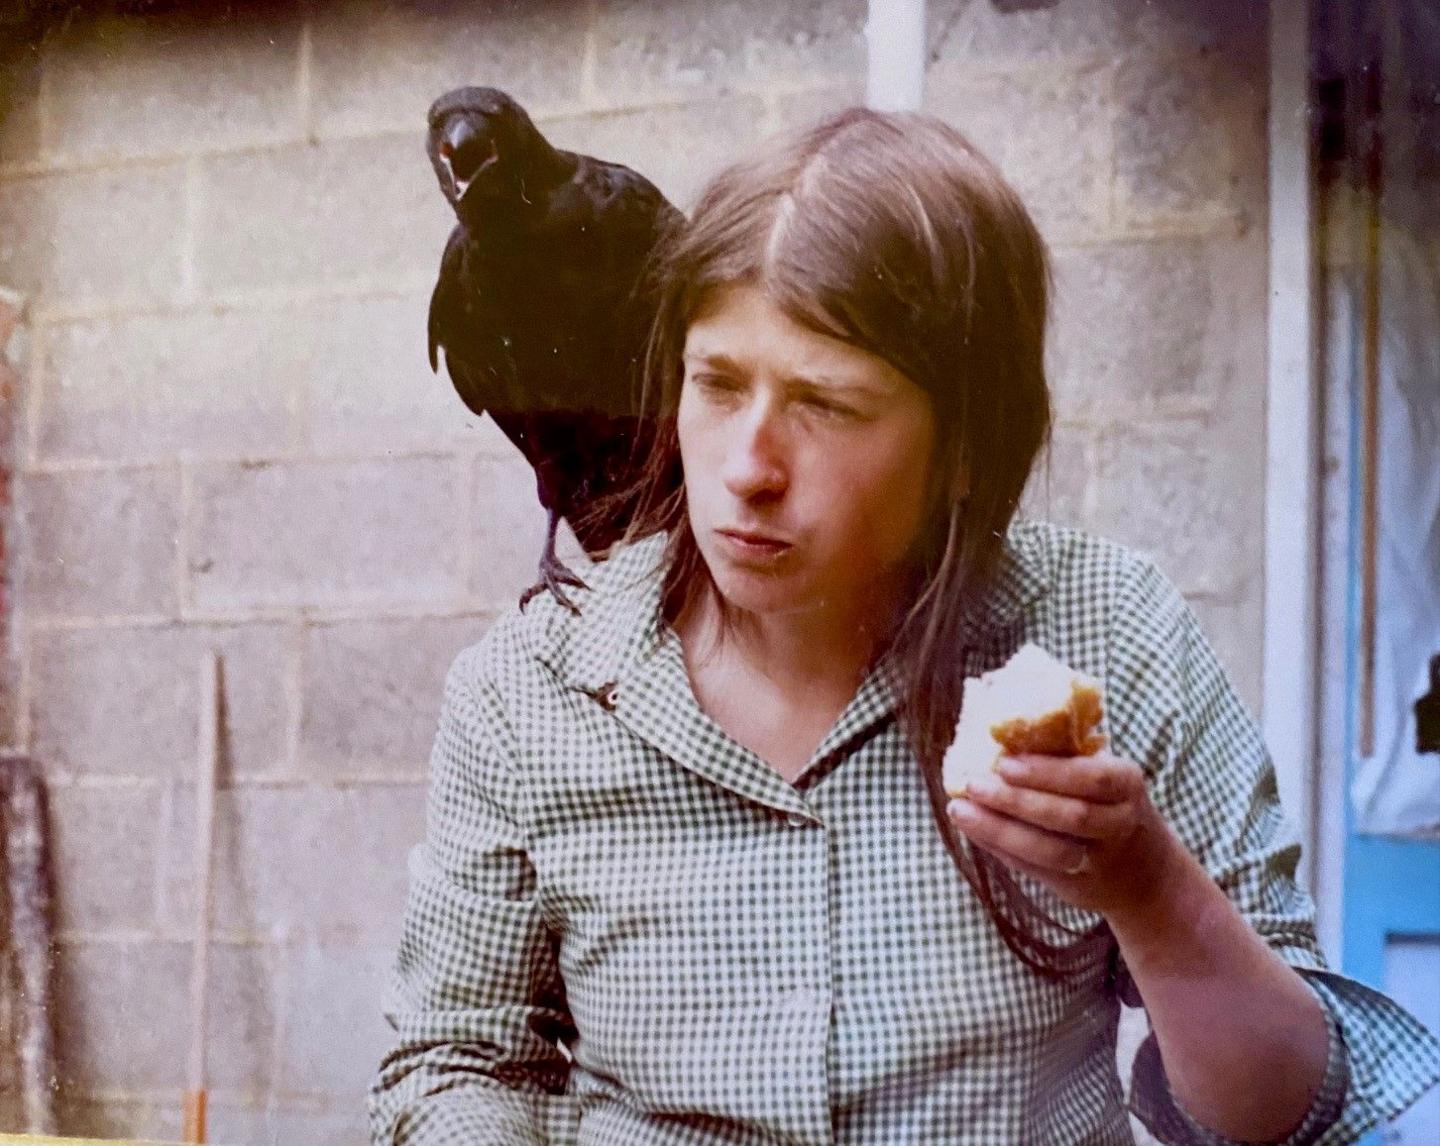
(1067, 731)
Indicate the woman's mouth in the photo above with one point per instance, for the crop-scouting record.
(747, 546)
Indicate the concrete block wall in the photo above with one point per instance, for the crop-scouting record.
(224, 233)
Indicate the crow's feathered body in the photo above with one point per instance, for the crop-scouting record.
(541, 307)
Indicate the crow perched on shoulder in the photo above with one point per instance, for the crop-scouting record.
(541, 308)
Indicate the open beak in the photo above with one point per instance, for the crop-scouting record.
(460, 186)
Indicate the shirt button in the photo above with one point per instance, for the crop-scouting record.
(606, 695)
(798, 820)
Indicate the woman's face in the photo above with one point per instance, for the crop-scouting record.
(806, 460)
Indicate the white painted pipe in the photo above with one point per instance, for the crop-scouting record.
(1292, 436)
(895, 44)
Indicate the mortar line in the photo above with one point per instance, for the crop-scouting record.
(589, 94)
(153, 1098)
(769, 113)
(304, 96)
(1110, 87)
(106, 782)
(36, 352)
(77, 312)
(1090, 495)
(439, 452)
(277, 970)
(466, 505)
(297, 662)
(24, 642)
(42, 103)
(184, 586)
(189, 232)
(160, 899)
(252, 617)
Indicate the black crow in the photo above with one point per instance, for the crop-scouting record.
(543, 308)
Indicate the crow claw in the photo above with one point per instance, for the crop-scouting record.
(553, 575)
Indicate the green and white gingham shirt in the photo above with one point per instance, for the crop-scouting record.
(626, 928)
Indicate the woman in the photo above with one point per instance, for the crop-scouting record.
(689, 875)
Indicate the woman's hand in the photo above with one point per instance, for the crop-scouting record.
(1083, 825)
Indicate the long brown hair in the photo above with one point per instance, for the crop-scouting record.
(894, 234)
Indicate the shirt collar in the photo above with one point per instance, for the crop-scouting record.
(621, 653)
(620, 625)
(1022, 576)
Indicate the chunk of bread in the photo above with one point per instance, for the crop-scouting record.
(1033, 703)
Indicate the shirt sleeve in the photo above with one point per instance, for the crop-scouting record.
(475, 996)
(1173, 710)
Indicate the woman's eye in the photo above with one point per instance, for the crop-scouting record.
(830, 409)
(714, 383)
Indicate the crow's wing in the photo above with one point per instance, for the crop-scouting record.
(629, 212)
(478, 356)
(593, 244)
(446, 306)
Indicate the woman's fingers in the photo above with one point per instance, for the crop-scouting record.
(1064, 815)
(1026, 845)
(1098, 779)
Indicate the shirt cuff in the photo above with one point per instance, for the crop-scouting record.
(1153, 1102)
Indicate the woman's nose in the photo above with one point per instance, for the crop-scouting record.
(754, 457)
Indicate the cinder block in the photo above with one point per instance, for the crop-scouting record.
(508, 532)
(19, 106)
(371, 693)
(1060, 482)
(1235, 27)
(222, 384)
(9, 701)
(301, 864)
(368, 385)
(296, 534)
(692, 48)
(379, 67)
(83, 1115)
(82, 237)
(11, 417)
(173, 83)
(678, 148)
(1157, 325)
(122, 1015)
(99, 542)
(1190, 140)
(1233, 625)
(343, 1123)
(803, 109)
(105, 856)
(966, 36)
(1190, 493)
(123, 702)
(153, 387)
(319, 214)
(333, 1035)
(1048, 132)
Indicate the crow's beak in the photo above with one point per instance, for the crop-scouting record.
(458, 136)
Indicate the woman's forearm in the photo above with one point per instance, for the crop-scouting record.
(1243, 1040)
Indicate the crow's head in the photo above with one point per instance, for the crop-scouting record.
(484, 147)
